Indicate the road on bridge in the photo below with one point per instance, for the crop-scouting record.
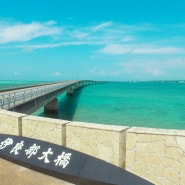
(13, 98)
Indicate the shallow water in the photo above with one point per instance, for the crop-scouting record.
(144, 104)
(12, 84)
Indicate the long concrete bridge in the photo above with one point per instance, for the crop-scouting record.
(27, 100)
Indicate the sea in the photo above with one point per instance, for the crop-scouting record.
(153, 104)
(13, 84)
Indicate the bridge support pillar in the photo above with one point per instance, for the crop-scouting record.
(76, 86)
(52, 107)
(70, 91)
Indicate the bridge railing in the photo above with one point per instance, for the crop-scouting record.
(14, 85)
(11, 99)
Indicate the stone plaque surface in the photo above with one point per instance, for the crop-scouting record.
(64, 163)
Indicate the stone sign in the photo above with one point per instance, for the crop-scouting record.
(64, 163)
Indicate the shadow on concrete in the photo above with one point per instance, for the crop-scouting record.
(67, 106)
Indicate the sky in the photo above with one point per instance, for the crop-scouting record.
(111, 40)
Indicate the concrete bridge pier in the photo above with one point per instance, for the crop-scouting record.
(76, 86)
(70, 92)
(51, 107)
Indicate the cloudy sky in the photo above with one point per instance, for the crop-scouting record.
(115, 40)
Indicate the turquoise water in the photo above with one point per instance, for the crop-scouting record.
(11, 84)
(141, 104)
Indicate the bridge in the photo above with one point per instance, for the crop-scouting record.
(33, 137)
(29, 99)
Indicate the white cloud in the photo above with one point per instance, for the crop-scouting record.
(153, 68)
(79, 34)
(16, 74)
(102, 25)
(20, 32)
(105, 72)
(160, 50)
(153, 71)
(114, 38)
(61, 44)
(50, 23)
(118, 49)
(56, 74)
(128, 39)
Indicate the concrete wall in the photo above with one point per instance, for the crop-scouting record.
(158, 155)
(46, 129)
(10, 122)
(102, 141)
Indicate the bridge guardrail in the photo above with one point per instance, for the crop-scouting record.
(13, 98)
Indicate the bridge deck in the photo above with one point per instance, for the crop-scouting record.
(13, 98)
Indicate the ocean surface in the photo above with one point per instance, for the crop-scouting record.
(12, 84)
(158, 104)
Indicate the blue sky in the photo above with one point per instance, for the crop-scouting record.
(115, 40)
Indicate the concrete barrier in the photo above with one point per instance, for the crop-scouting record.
(158, 155)
(102, 141)
(11, 122)
(46, 129)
